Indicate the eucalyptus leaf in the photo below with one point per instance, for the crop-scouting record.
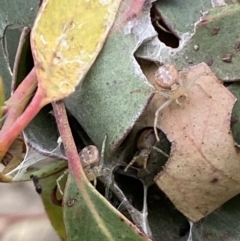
(107, 103)
(235, 119)
(215, 43)
(53, 210)
(209, 37)
(45, 142)
(90, 217)
(221, 225)
(180, 19)
(174, 13)
(18, 13)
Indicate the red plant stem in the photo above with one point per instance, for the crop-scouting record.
(9, 135)
(19, 100)
(75, 166)
(68, 142)
(22, 90)
(74, 162)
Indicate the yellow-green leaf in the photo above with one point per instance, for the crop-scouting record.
(66, 38)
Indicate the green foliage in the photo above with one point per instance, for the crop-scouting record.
(113, 95)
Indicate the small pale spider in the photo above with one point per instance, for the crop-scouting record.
(145, 145)
(178, 89)
(92, 164)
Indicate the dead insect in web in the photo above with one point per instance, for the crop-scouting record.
(37, 186)
(145, 144)
(175, 90)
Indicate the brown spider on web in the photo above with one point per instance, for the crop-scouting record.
(145, 145)
(92, 163)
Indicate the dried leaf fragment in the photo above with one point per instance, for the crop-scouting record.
(203, 170)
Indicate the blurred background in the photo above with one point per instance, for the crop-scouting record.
(22, 215)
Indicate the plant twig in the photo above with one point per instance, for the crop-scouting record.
(19, 100)
(67, 139)
(8, 135)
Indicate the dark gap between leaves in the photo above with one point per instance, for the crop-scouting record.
(132, 188)
(171, 223)
(11, 40)
(165, 34)
(112, 198)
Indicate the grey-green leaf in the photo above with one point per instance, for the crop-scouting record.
(221, 225)
(14, 13)
(214, 39)
(93, 218)
(115, 91)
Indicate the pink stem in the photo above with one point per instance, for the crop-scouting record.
(18, 101)
(68, 142)
(7, 136)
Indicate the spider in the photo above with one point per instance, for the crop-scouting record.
(178, 89)
(92, 164)
(145, 145)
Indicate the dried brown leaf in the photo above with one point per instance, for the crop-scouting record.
(203, 170)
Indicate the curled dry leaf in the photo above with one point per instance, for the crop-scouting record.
(14, 155)
(203, 170)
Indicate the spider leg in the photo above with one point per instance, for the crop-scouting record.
(141, 91)
(204, 91)
(164, 105)
(160, 151)
(178, 101)
(145, 164)
(59, 179)
(165, 93)
(95, 182)
(131, 163)
(101, 162)
(104, 170)
(91, 174)
(100, 170)
(191, 82)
